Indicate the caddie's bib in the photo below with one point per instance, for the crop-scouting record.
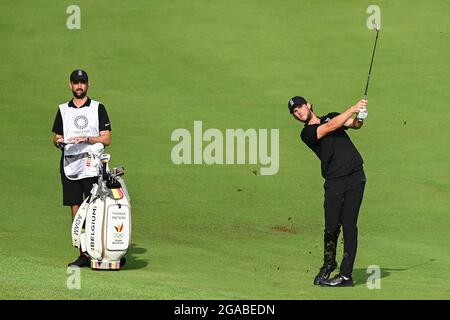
(79, 122)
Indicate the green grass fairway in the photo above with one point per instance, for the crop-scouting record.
(220, 231)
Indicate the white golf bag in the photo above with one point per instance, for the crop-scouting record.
(106, 218)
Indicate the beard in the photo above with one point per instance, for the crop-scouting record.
(79, 94)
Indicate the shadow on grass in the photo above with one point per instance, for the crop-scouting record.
(134, 261)
(360, 276)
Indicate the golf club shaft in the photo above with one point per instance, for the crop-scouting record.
(371, 63)
(104, 173)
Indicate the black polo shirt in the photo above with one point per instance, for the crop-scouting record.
(103, 119)
(338, 155)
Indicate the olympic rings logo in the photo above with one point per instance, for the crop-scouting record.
(118, 235)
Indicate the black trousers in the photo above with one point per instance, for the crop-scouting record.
(343, 197)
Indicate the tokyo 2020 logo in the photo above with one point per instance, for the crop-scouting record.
(81, 122)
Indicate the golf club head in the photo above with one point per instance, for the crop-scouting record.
(105, 157)
(119, 171)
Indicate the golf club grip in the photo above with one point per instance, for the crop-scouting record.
(104, 169)
(364, 98)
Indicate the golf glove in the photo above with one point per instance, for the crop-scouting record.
(362, 114)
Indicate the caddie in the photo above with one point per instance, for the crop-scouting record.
(78, 124)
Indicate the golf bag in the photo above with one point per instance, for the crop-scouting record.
(102, 225)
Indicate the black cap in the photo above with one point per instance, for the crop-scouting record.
(295, 102)
(78, 75)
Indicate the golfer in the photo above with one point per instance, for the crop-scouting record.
(79, 122)
(342, 168)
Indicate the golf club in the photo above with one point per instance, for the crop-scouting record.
(377, 29)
